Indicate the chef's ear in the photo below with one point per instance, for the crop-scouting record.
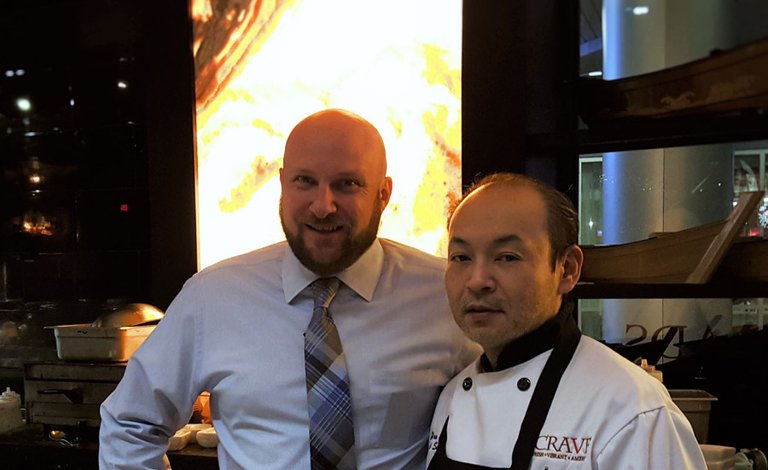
(572, 260)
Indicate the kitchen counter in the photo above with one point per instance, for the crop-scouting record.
(27, 447)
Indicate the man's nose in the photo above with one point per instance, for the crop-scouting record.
(324, 203)
(481, 278)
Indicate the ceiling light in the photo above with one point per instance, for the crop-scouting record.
(23, 104)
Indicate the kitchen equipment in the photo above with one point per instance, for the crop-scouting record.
(695, 405)
(113, 336)
(719, 457)
(83, 342)
(129, 315)
(67, 395)
(61, 438)
(751, 459)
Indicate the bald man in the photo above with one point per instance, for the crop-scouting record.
(237, 329)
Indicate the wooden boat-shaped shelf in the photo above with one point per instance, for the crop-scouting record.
(690, 256)
(728, 81)
(747, 260)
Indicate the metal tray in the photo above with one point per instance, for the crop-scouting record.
(83, 342)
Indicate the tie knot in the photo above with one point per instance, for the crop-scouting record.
(324, 289)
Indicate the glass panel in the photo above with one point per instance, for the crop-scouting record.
(683, 31)
(746, 172)
(749, 314)
(591, 200)
(691, 186)
(749, 175)
(591, 33)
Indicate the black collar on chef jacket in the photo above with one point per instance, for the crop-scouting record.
(561, 334)
(531, 344)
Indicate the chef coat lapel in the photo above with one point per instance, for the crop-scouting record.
(566, 338)
(545, 389)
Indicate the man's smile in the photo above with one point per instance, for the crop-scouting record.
(324, 228)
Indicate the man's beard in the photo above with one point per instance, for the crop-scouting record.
(351, 249)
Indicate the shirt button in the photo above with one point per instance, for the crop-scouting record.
(523, 384)
(467, 384)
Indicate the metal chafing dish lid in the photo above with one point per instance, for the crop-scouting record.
(129, 315)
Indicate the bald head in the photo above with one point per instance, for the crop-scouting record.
(337, 132)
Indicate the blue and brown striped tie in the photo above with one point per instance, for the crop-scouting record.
(331, 431)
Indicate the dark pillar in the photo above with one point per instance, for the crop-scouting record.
(171, 147)
(518, 60)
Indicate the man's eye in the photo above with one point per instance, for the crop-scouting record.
(304, 180)
(458, 258)
(508, 258)
(349, 184)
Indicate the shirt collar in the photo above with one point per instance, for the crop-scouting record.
(532, 343)
(362, 277)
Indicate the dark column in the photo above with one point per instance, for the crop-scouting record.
(493, 88)
(519, 58)
(171, 147)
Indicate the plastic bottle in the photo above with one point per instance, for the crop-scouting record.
(10, 410)
(656, 374)
(9, 394)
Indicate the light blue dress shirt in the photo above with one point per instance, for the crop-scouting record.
(236, 330)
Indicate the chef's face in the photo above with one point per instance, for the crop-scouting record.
(334, 190)
(500, 280)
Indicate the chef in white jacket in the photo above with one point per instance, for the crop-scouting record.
(542, 396)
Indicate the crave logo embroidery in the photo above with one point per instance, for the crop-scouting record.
(569, 448)
(433, 440)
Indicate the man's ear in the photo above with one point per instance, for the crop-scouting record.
(281, 176)
(385, 192)
(572, 260)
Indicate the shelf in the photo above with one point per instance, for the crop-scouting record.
(726, 289)
(640, 134)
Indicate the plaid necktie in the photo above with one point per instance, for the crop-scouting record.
(331, 433)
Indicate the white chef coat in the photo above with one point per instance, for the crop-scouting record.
(607, 413)
(236, 330)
